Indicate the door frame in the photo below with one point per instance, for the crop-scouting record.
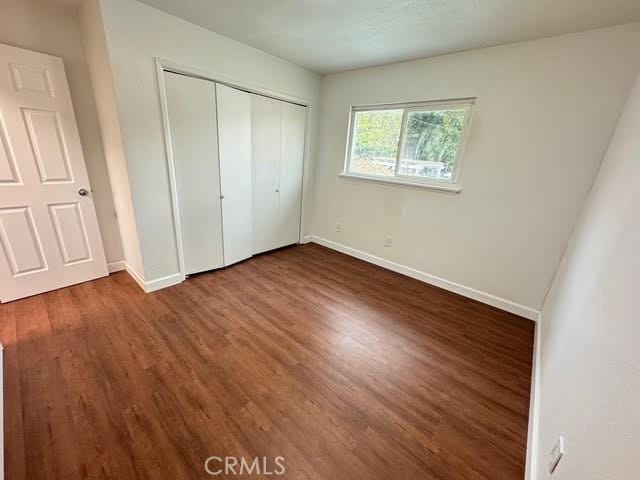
(164, 65)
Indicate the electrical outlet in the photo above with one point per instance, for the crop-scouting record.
(338, 226)
(388, 241)
(556, 454)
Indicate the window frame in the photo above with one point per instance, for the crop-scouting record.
(453, 185)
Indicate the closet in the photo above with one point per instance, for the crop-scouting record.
(191, 103)
(234, 150)
(278, 130)
(237, 163)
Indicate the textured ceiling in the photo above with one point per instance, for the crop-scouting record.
(333, 35)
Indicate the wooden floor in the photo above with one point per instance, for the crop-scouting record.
(344, 369)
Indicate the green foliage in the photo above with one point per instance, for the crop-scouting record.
(430, 136)
(434, 136)
(376, 133)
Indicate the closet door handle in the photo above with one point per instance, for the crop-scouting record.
(221, 197)
(277, 190)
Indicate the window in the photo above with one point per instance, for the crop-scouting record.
(417, 144)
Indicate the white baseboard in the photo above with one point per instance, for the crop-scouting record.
(307, 239)
(163, 282)
(501, 303)
(531, 472)
(115, 266)
(135, 275)
(153, 285)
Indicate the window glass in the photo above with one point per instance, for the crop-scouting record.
(431, 143)
(432, 135)
(375, 142)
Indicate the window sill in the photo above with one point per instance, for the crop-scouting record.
(444, 188)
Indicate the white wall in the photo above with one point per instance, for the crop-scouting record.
(95, 45)
(54, 29)
(544, 115)
(136, 33)
(590, 355)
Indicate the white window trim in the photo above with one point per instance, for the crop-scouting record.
(449, 186)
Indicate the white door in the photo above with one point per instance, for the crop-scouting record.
(234, 143)
(266, 128)
(291, 166)
(48, 227)
(191, 104)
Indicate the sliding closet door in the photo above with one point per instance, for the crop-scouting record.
(291, 165)
(266, 126)
(234, 138)
(191, 104)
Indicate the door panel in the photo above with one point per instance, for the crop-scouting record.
(8, 167)
(291, 166)
(191, 103)
(266, 127)
(45, 138)
(234, 140)
(70, 232)
(31, 79)
(48, 232)
(20, 241)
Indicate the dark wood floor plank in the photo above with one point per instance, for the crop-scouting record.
(347, 370)
(15, 461)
